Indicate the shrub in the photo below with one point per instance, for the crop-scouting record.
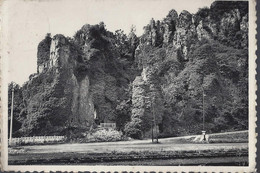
(104, 135)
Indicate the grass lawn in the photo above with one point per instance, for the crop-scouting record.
(229, 138)
(170, 151)
(139, 158)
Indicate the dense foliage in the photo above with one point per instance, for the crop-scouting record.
(222, 72)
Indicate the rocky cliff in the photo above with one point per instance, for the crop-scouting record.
(78, 80)
(184, 54)
(57, 96)
(156, 80)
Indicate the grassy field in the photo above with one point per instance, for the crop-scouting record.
(239, 137)
(135, 158)
(170, 151)
(228, 137)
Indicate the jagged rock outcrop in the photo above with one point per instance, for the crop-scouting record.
(57, 94)
(188, 58)
(81, 77)
(185, 29)
(108, 78)
(185, 33)
(43, 53)
(169, 25)
(206, 29)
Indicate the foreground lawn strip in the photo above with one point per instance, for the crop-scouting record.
(61, 158)
(229, 138)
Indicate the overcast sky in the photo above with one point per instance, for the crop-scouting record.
(29, 21)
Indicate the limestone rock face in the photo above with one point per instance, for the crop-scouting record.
(43, 53)
(206, 29)
(106, 76)
(82, 107)
(185, 33)
(169, 26)
(59, 52)
(189, 58)
(154, 35)
(60, 88)
(184, 20)
(81, 80)
(63, 60)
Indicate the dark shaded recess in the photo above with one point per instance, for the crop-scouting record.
(81, 71)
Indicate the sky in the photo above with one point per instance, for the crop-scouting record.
(27, 22)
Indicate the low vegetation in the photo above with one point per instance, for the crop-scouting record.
(104, 135)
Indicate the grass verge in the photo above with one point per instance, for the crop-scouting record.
(79, 158)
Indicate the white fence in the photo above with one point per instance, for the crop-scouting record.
(37, 140)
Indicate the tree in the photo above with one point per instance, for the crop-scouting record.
(121, 42)
(132, 128)
(19, 111)
(133, 40)
(102, 27)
